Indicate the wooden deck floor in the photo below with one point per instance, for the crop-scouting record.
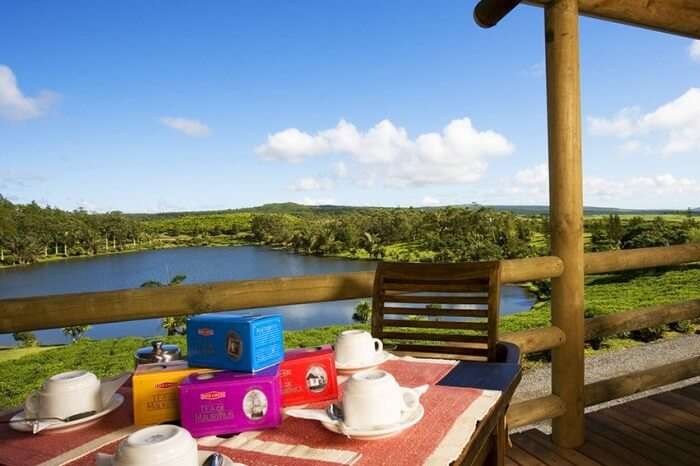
(663, 429)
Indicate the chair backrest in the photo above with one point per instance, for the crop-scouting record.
(438, 309)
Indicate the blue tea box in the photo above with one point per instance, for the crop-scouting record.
(245, 343)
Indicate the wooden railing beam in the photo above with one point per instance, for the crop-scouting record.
(643, 258)
(640, 381)
(536, 339)
(680, 17)
(531, 268)
(535, 410)
(635, 319)
(488, 13)
(43, 312)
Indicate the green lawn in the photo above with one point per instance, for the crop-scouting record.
(10, 353)
(24, 369)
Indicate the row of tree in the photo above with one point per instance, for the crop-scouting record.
(447, 234)
(612, 233)
(29, 232)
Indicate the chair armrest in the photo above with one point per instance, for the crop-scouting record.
(507, 352)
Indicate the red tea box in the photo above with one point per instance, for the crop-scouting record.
(230, 402)
(308, 375)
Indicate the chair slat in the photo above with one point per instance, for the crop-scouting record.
(440, 286)
(435, 337)
(436, 299)
(431, 311)
(443, 349)
(478, 326)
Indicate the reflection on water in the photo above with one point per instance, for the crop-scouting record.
(200, 264)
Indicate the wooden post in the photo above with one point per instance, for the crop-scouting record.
(566, 214)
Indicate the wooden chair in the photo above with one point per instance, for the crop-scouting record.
(467, 294)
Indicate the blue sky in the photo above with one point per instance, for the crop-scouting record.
(155, 106)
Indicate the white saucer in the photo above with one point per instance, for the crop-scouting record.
(349, 367)
(18, 423)
(202, 455)
(408, 419)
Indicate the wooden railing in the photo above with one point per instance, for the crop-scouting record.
(143, 303)
(42, 312)
(551, 406)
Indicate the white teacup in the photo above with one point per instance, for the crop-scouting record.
(374, 398)
(357, 347)
(64, 395)
(157, 445)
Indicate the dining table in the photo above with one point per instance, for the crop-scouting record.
(464, 423)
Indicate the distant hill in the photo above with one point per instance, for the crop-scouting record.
(588, 210)
(301, 209)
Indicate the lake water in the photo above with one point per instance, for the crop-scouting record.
(199, 264)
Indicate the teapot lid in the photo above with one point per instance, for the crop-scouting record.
(157, 352)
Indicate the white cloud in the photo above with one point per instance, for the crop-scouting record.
(694, 50)
(318, 201)
(430, 201)
(678, 121)
(635, 187)
(536, 70)
(623, 125)
(340, 169)
(535, 176)
(532, 186)
(681, 119)
(193, 128)
(632, 146)
(456, 155)
(310, 183)
(16, 106)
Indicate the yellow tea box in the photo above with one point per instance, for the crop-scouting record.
(155, 391)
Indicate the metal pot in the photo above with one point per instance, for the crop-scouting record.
(157, 352)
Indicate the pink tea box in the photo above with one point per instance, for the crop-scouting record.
(308, 375)
(230, 402)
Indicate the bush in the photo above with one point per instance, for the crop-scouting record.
(76, 332)
(25, 339)
(588, 313)
(363, 311)
(647, 334)
(682, 326)
(174, 325)
(542, 289)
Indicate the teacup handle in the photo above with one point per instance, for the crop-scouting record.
(378, 345)
(31, 405)
(409, 398)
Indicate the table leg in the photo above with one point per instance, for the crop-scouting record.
(497, 445)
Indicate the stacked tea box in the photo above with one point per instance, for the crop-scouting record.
(308, 375)
(245, 395)
(256, 379)
(155, 391)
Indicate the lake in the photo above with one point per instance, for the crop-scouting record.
(199, 264)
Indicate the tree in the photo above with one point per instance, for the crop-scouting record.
(76, 332)
(176, 325)
(25, 339)
(363, 312)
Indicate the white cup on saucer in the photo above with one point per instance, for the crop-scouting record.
(64, 395)
(357, 347)
(157, 446)
(374, 398)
